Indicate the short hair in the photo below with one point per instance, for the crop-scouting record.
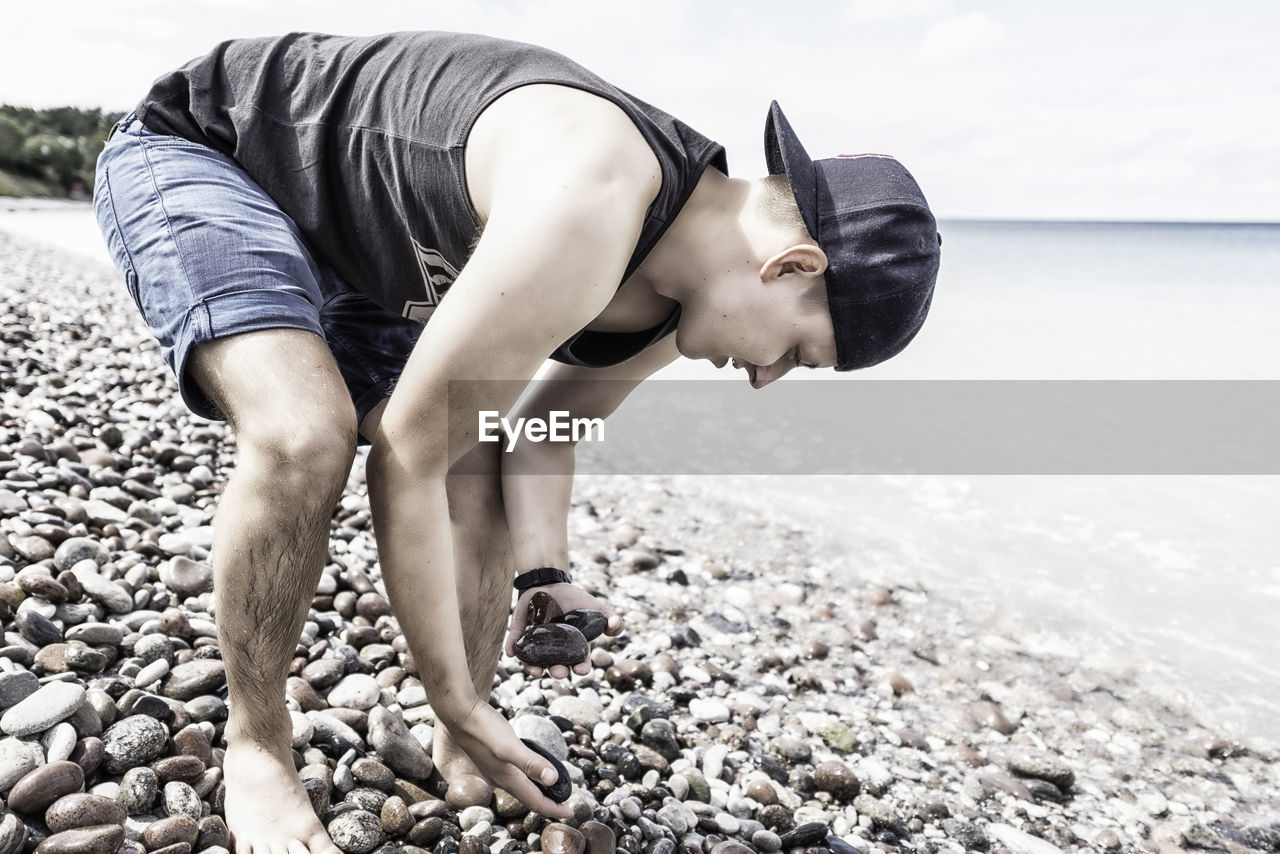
(778, 205)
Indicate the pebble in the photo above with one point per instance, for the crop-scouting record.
(82, 810)
(551, 644)
(138, 790)
(356, 691)
(356, 832)
(187, 577)
(396, 745)
(1042, 765)
(708, 711)
(17, 759)
(171, 831)
(467, 790)
(544, 732)
(395, 816)
(990, 715)
(181, 800)
(1019, 842)
(101, 839)
(133, 741)
(40, 788)
(195, 678)
(576, 710)
(52, 703)
(835, 778)
(560, 838)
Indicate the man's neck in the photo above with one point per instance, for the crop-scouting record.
(704, 241)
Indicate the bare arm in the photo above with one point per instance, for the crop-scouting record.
(537, 477)
(564, 213)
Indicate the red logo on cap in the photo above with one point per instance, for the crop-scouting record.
(866, 154)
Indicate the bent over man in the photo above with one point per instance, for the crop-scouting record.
(323, 232)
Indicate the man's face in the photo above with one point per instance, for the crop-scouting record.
(763, 328)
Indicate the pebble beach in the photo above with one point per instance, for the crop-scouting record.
(761, 699)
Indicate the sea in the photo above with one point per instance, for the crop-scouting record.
(1176, 576)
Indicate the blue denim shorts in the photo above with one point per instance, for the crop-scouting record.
(205, 253)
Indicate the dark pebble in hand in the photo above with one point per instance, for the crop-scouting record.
(560, 790)
(589, 621)
(542, 609)
(551, 644)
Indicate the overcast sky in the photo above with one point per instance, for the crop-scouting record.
(1095, 110)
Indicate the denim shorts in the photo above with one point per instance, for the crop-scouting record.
(205, 253)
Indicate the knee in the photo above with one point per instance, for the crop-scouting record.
(311, 454)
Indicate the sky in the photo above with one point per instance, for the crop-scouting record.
(1003, 109)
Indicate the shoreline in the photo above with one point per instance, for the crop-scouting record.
(896, 719)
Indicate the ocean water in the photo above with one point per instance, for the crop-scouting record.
(1175, 575)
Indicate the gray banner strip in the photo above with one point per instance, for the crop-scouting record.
(930, 427)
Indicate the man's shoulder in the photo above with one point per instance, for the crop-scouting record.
(544, 133)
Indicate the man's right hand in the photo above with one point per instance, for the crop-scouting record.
(484, 734)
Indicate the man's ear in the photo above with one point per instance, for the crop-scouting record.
(804, 260)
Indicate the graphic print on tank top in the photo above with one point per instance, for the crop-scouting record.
(437, 276)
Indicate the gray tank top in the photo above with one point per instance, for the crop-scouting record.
(361, 142)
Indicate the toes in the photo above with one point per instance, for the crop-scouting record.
(297, 846)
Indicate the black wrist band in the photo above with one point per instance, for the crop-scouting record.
(539, 577)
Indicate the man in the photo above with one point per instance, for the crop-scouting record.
(288, 212)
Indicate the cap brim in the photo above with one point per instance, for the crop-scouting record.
(785, 155)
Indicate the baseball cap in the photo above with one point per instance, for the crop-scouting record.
(868, 215)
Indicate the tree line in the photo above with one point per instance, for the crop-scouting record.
(56, 147)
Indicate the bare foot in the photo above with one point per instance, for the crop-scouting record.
(268, 811)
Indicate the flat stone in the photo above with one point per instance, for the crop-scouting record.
(196, 677)
(356, 832)
(133, 741)
(1019, 842)
(187, 577)
(96, 633)
(468, 790)
(395, 816)
(13, 830)
(100, 839)
(54, 702)
(577, 710)
(552, 644)
(36, 791)
(560, 838)
(355, 691)
(708, 711)
(802, 835)
(17, 760)
(82, 810)
(138, 790)
(106, 593)
(37, 628)
(16, 686)
(989, 715)
(1027, 762)
(213, 834)
(58, 742)
(834, 776)
(171, 830)
(544, 732)
(75, 549)
(396, 745)
(181, 800)
(600, 838)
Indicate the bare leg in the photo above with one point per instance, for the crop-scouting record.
(295, 432)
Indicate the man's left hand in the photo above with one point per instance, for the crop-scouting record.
(569, 598)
